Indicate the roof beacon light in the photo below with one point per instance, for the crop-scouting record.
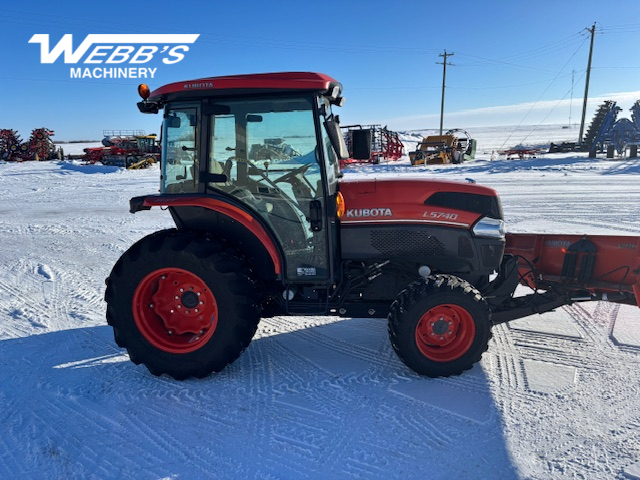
(143, 91)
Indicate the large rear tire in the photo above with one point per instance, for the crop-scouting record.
(439, 326)
(182, 304)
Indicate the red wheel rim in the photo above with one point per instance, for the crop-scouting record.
(174, 310)
(445, 333)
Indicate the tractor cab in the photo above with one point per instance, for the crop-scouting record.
(147, 143)
(267, 150)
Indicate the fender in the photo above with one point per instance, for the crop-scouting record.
(250, 222)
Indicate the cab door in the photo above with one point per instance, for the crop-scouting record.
(269, 151)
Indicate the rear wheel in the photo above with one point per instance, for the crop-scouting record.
(439, 326)
(182, 303)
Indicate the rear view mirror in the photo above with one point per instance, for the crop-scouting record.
(254, 118)
(336, 138)
(172, 122)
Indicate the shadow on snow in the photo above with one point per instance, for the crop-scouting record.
(330, 401)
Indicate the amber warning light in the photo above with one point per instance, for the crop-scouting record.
(144, 106)
(143, 91)
(340, 205)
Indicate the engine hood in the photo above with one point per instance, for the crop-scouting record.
(417, 200)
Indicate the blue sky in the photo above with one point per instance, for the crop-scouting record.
(513, 61)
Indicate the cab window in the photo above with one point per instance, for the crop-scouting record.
(180, 166)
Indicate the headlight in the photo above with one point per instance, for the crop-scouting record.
(489, 227)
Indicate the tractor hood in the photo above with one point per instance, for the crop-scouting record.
(417, 201)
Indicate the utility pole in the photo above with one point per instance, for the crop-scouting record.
(592, 30)
(444, 78)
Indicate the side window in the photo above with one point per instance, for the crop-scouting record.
(223, 146)
(333, 167)
(180, 166)
(282, 148)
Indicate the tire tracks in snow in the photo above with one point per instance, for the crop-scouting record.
(596, 360)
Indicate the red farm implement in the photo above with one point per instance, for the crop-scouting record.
(38, 147)
(383, 144)
(131, 149)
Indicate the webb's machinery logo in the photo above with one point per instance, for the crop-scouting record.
(115, 50)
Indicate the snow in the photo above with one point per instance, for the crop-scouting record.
(555, 396)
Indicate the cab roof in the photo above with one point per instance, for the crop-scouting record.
(246, 84)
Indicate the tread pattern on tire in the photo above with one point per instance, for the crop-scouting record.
(212, 257)
(420, 290)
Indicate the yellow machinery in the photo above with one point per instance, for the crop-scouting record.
(440, 149)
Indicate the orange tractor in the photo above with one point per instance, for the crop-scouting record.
(261, 235)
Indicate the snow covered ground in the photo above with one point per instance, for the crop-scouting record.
(555, 396)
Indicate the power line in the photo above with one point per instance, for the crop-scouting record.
(542, 94)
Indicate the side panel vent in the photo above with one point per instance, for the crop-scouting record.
(404, 242)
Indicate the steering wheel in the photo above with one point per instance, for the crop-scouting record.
(289, 176)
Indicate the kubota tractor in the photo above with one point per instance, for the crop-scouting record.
(260, 236)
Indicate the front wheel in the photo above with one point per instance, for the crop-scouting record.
(439, 326)
(182, 304)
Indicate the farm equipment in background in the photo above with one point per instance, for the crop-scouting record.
(520, 152)
(38, 147)
(609, 134)
(383, 144)
(131, 149)
(272, 149)
(9, 145)
(447, 148)
(259, 239)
